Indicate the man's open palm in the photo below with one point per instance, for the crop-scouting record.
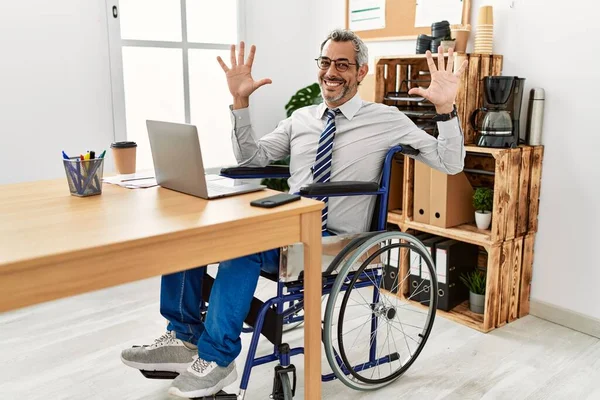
(444, 83)
(239, 76)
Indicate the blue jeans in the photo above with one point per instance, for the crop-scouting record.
(218, 338)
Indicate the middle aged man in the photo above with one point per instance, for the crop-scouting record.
(342, 139)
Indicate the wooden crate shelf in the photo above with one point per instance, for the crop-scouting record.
(506, 249)
(508, 269)
(392, 71)
(508, 255)
(516, 183)
(465, 233)
(460, 313)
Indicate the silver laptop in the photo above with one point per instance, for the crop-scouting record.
(178, 163)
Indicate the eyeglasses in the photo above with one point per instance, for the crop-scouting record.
(341, 65)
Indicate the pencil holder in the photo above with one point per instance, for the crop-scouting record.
(84, 176)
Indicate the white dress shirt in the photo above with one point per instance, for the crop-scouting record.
(365, 131)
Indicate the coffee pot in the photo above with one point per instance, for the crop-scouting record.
(499, 126)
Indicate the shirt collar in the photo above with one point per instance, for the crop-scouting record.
(349, 108)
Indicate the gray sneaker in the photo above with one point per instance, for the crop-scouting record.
(167, 353)
(202, 379)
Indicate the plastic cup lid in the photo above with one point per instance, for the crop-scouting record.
(123, 145)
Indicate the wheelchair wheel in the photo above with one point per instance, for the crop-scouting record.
(371, 335)
(286, 387)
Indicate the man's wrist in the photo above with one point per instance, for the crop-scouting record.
(445, 116)
(444, 109)
(240, 102)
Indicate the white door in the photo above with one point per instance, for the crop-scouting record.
(164, 67)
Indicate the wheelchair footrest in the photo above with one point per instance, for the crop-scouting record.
(159, 374)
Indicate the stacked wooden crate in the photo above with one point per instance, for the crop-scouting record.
(513, 174)
(392, 71)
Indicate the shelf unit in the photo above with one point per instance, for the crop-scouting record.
(508, 243)
(506, 249)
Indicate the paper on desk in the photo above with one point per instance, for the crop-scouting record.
(134, 181)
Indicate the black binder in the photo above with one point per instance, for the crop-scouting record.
(452, 258)
(390, 268)
(414, 270)
(425, 285)
(391, 260)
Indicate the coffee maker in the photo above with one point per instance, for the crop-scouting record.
(502, 100)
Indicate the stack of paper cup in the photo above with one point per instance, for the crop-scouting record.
(484, 36)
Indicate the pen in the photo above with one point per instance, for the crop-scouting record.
(71, 171)
(84, 166)
(102, 155)
(95, 164)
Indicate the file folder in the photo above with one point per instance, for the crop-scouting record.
(414, 268)
(421, 203)
(390, 269)
(452, 258)
(451, 199)
(425, 277)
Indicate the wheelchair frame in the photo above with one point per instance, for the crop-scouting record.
(294, 297)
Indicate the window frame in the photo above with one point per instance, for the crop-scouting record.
(116, 45)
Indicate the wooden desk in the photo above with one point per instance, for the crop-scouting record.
(54, 245)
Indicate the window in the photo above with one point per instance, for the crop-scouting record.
(167, 62)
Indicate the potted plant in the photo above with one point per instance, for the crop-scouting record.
(483, 199)
(475, 281)
(447, 43)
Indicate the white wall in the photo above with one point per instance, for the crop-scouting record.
(552, 47)
(55, 91)
(285, 52)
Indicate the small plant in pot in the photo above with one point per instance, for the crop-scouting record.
(448, 43)
(475, 281)
(483, 199)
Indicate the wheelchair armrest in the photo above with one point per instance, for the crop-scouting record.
(339, 188)
(270, 171)
(408, 150)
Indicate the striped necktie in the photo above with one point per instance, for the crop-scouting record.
(322, 168)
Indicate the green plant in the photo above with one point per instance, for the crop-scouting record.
(483, 199)
(306, 96)
(475, 281)
(279, 184)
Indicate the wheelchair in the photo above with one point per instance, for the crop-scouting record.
(371, 336)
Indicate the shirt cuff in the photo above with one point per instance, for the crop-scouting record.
(240, 117)
(449, 129)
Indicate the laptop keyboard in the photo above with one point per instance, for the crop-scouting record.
(217, 189)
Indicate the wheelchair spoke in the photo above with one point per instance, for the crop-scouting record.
(389, 349)
(365, 304)
(405, 335)
(395, 347)
(355, 328)
(377, 357)
(357, 336)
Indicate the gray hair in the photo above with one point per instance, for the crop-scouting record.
(345, 35)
